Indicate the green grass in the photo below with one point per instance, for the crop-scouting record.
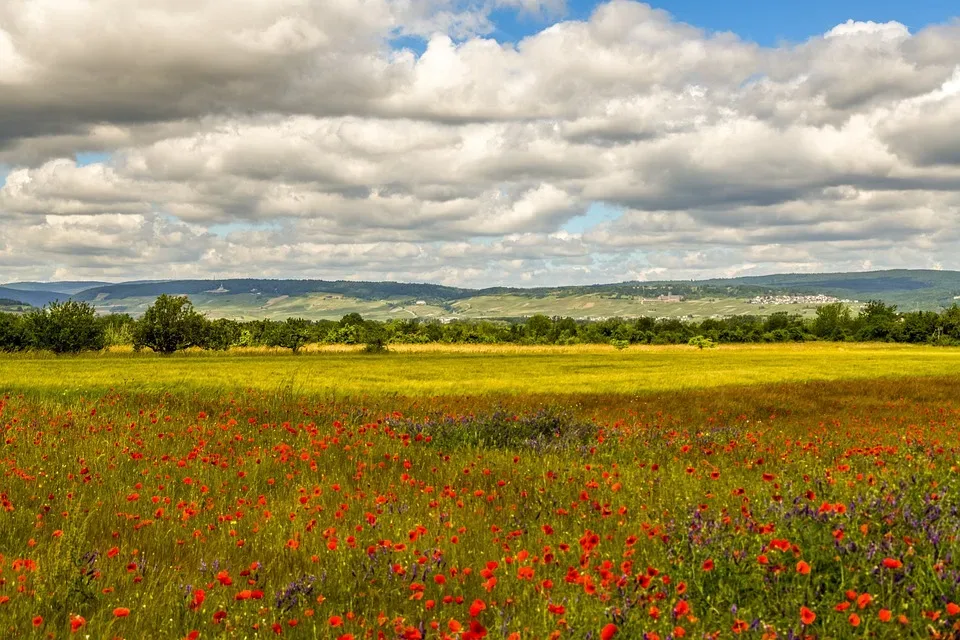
(459, 371)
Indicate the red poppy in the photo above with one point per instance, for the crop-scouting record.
(608, 631)
(807, 616)
(477, 607)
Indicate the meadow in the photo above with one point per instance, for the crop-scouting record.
(453, 370)
(462, 492)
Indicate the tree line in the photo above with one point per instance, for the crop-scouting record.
(172, 324)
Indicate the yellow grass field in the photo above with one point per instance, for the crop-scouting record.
(458, 370)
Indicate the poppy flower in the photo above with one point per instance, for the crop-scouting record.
(608, 631)
(476, 607)
(807, 616)
(121, 612)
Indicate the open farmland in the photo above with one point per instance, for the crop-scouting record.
(583, 492)
(608, 306)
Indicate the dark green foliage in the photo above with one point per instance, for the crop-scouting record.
(12, 333)
(221, 334)
(118, 329)
(169, 325)
(292, 334)
(64, 327)
(549, 428)
(172, 324)
(376, 338)
(833, 321)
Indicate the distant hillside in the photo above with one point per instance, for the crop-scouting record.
(35, 298)
(251, 298)
(360, 290)
(908, 288)
(13, 306)
(69, 287)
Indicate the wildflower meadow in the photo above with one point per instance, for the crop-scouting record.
(805, 509)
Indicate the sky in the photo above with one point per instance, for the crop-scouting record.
(477, 142)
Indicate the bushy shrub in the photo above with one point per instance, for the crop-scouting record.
(65, 327)
(701, 342)
(549, 428)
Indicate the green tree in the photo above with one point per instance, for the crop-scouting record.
(65, 327)
(833, 321)
(701, 342)
(950, 320)
(292, 334)
(877, 320)
(12, 333)
(221, 334)
(170, 324)
(351, 320)
(538, 327)
(117, 329)
(376, 338)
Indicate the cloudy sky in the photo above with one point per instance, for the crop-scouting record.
(476, 142)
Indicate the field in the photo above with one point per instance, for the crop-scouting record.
(317, 306)
(456, 370)
(314, 306)
(608, 306)
(770, 492)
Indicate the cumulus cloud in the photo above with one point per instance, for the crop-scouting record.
(298, 138)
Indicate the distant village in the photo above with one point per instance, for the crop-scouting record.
(814, 299)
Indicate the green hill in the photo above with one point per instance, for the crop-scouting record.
(250, 298)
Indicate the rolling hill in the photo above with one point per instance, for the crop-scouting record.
(250, 298)
(34, 298)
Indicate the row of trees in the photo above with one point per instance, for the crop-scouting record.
(172, 324)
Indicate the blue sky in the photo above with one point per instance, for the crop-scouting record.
(766, 22)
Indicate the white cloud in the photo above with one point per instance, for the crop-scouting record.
(333, 153)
